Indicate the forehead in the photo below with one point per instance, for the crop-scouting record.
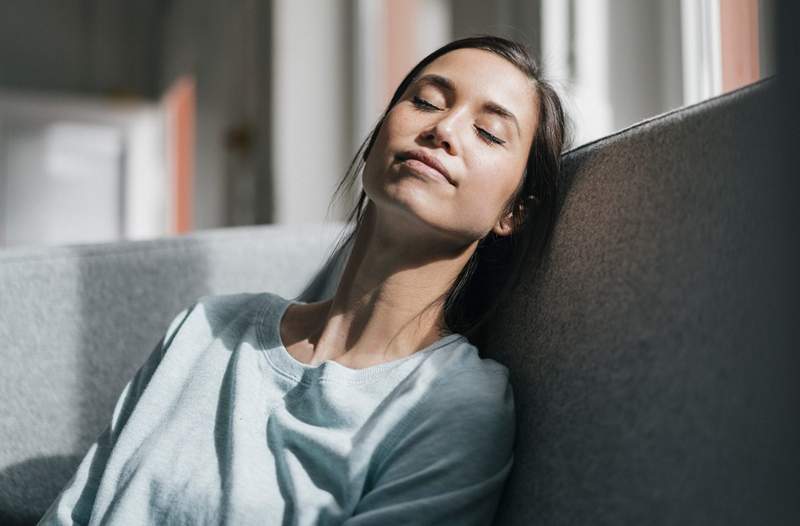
(484, 75)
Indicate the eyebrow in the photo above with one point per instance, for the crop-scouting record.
(488, 106)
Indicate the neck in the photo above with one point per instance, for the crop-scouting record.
(390, 300)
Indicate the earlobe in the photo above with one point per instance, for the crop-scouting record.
(504, 226)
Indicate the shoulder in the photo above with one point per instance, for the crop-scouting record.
(472, 397)
(229, 306)
(461, 367)
(448, 459)
(466, 419)
(459, 381)
(210, 313)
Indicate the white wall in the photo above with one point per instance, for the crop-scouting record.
(311, 118)
(80, 170)
(615, 62)
(644, 68)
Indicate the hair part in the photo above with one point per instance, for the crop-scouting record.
(494, 269)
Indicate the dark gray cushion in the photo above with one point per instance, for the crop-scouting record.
(646, 352)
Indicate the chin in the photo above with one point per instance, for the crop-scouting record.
(414, 204)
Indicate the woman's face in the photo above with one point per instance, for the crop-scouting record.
(474, 112)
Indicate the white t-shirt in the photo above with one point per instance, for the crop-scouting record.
(222, 425)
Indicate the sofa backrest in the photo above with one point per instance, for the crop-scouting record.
(646, 351)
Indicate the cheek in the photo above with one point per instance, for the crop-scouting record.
(398, 124)
(378, 152)
(389, 132)
(487, 187)
(379, 161)
(389, 139)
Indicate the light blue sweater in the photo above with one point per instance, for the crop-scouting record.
(221, 425)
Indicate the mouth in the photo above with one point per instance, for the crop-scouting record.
(425, 163)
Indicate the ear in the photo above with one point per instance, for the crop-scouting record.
(505, 225)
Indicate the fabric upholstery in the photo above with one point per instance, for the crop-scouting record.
(643, 350)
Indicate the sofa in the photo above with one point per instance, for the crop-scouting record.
(647, 348)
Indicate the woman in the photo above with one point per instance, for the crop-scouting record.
(372, 407)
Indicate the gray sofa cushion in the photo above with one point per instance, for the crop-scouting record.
(645, 352)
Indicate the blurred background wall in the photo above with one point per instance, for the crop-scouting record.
(130, 120)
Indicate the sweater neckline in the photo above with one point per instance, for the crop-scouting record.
(275, 306)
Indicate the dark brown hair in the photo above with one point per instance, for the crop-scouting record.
(494, 268)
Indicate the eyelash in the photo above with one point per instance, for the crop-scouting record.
(483, 134)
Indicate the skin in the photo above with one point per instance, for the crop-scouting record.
(419, 232)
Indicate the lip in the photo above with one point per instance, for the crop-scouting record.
(428, 159)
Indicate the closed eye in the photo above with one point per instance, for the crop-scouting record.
(483, 134)
(424, 104)
(489, 137)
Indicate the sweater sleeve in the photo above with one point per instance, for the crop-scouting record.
(74, 504)
(448, 463)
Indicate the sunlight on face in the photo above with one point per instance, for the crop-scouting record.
(475, 113)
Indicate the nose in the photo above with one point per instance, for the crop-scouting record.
(441, 133)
